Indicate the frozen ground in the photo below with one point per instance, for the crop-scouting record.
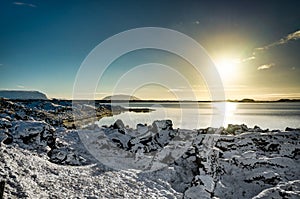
(41, 158)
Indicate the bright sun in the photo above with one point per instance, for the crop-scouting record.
(227, 68)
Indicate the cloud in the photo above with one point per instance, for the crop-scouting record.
(265, 66)
(290, 37)
(20, 86)
(247, 59)
(24, 4)
(179, 90)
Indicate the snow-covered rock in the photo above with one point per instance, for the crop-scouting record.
(242, 166)
(34, 135)
(290, 189)
(144, 138)
(30, 176)
(41, 158)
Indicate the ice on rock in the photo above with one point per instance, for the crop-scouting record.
(233, 162)
(65, 156)
(119, 137)
(145, 138)
(142, 129)
(162, 125)
(290, 189)
(58, 155)
(33, 134)
(3, 137)
(5, 123)
(208, 182)
(196, 192)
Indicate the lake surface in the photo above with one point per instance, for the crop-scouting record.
(191, 115)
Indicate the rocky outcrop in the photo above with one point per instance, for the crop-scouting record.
(253, 163)
(41, 138)
(31, 176)
(33, 135)
(232, 162)
(144, 138)
(289, 189)
(244, 165)
(57, 113)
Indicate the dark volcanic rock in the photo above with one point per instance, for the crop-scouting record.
(291, 129)
(65, 156)
(33, 135)
(236, 162)
(144, 138)
(118, 124)
(235, 129)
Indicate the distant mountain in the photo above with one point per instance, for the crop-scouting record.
(22, 95)
(120, 97)
(264, 101)
(288, 100)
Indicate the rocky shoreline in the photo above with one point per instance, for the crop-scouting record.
(42, 156)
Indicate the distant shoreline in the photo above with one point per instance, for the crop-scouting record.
(166, 101)
(23, 95)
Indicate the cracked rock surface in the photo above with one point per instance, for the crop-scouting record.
(41, 158)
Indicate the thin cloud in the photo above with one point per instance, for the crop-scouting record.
(20, 86)
(290, 37)
(247, 59)
(265, 66)
(24, 4)
(178, 90)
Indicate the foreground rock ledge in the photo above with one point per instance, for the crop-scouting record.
(41, 160)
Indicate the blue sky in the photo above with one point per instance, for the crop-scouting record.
(43, 43)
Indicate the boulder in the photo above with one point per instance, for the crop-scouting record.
(236, 129)
(3, 137)
(119, 124)
(142, 129)
(291, 129)
(143, 138)
(4, 123)
(159, 125)
(33, 135)
(65, 156)
(119, 137)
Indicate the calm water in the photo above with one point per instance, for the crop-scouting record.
(202, 115)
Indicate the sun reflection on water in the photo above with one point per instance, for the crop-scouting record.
(230, 108)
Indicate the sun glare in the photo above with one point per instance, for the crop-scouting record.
(227, 68)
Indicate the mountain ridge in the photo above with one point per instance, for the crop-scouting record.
(22, 94)
(121, 97)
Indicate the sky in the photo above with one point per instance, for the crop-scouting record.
(254, 45)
